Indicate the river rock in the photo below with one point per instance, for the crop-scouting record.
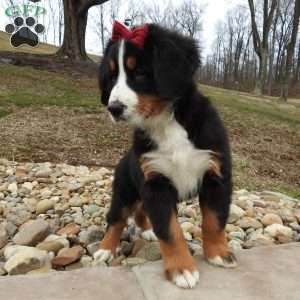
(270, 219)
(275, 230)
(235, 213)
(32, 232)
(25, 260)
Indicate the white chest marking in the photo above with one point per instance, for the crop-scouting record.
(176, 157)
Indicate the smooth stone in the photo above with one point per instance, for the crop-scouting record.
(133, 261)
(150, 252)
(258, 240)
(57, 238)
(187, 226)
(275, 230)
(235, 245)
(32, 232)
(67, 256)
(70, 229)
(51, 246)
(93, 234)
(25, 260)
(93, 208)
(3, 235)
(43, 172)
(18, 216)
(270, 219)
(75, 201)
(13, 188)
(235, 213)
(44, 205)
(247, 222)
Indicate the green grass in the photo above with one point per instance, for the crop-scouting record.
(25, 86)
(245, 103)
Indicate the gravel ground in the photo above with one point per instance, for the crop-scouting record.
(52, 218)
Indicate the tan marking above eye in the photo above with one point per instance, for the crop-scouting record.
(112, 65)
(131, 62)
(149, 105)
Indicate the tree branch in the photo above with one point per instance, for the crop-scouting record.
(88, 4)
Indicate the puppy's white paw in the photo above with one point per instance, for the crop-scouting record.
(186, 279)
(103, 255)
(149, 235)
(224, 262)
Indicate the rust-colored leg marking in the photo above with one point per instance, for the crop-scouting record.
(141, 219)
(112, 237)
(215, 246)
(175, 252)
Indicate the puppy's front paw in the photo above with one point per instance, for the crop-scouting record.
(186, 279)
(228, 261)
(149, 235)
(103, 255)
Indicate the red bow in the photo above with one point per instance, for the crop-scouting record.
(136, 36)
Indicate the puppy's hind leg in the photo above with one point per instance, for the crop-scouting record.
(215, 202)
(142, 221)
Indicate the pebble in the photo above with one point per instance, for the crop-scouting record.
(70, 229)
(133, 261)
(44, 205)
(32, 232)
(150, 252)
(67, 256)
(276, 230)
(247, 222)
(235, 213)
(25, 260)
(270, 219)
(73, 201)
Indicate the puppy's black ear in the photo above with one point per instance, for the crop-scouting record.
(105, 80)
(175, 61)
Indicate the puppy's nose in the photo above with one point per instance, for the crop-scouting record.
(116, 108)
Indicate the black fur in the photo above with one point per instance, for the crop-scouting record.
(166, 68)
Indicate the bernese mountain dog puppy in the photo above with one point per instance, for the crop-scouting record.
(180, 148)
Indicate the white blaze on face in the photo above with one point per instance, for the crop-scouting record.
(121, 91)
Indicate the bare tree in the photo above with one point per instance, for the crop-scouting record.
(261, 44)
(290, 48)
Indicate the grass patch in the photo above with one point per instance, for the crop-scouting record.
(25, 86)
(264, 108)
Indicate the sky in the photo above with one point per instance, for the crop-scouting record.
(215, 11)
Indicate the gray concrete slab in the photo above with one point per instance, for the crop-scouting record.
(263, 274)
(267, 273)
(85, 284)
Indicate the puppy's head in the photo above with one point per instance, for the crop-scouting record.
(140, 81)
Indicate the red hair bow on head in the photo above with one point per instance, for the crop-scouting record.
(136, 36)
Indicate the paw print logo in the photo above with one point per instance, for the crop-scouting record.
(24, 32)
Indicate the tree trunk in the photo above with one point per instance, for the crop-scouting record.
(262, 73)
(75, 17)
(73, 45)
(290, 53)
